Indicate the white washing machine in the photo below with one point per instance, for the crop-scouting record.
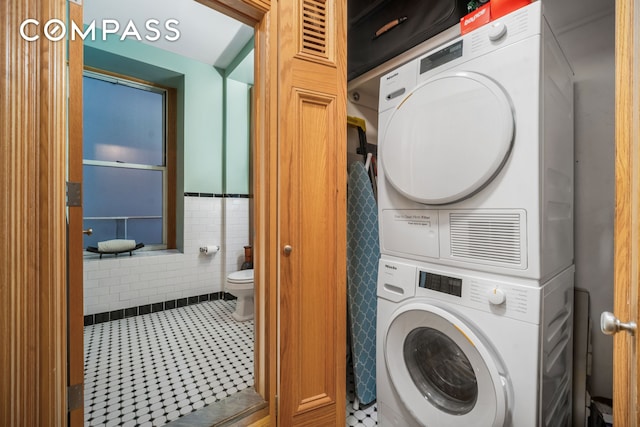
(459, 349)
(476, 152)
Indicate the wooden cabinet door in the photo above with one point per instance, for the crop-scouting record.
(626, 347)
(312, 211)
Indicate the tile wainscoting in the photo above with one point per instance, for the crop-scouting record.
(125, 282)
(125, 313)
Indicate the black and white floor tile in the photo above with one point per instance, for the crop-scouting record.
(364, 416)
(151, 369)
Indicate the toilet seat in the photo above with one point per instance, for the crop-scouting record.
(240, 277)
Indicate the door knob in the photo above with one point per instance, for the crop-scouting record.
(88, 232)
(610, 325)
(287, 249)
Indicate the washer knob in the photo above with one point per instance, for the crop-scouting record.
(497, 296)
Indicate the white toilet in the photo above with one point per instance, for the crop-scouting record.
(240, 285)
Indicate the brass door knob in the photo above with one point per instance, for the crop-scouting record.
(88, 232)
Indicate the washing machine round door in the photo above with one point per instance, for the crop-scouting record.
(448, 138)
(442, 371)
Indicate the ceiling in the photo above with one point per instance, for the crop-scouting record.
(566, 15)
(205, 34)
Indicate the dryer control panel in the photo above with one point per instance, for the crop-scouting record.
(441, 57)
(439, 283)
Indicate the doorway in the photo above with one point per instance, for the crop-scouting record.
(194, 287)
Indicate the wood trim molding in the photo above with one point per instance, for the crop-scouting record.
(172, 171)
(33, 357)
(123, 77)
(265, 184)
(248, 12)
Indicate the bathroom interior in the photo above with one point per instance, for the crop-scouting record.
(214, 194)
(171, 322)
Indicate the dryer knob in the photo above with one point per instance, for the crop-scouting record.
(497, 30)
(497, 296)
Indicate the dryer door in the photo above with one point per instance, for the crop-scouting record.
(448, 138)
(442, 371)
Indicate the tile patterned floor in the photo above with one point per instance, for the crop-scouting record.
(365, 416)
(151, 369)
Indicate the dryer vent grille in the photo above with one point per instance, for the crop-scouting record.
(495, 238)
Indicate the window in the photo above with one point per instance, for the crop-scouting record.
(129, 186)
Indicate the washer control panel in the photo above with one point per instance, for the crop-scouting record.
(501, 296)
(515, 298)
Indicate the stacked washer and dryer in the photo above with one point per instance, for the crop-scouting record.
(475, 285)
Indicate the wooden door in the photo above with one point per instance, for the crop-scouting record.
(312, 212)
(75, 310)
(626, 392)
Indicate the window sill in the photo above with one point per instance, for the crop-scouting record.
(90, 256)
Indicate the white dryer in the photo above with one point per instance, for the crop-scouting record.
(476, 152)
(459, 349)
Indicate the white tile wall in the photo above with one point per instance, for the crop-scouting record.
(113, 283)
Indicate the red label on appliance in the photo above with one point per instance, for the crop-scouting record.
(502, 7)
(475, 19)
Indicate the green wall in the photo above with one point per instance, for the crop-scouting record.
(238, 113)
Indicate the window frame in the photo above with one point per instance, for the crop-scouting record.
(169, 179)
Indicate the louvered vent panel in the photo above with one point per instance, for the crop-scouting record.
(314, 27)
(486, 237)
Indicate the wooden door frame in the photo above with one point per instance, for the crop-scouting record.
(33, 357)
(75, 267)
(263, 18)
